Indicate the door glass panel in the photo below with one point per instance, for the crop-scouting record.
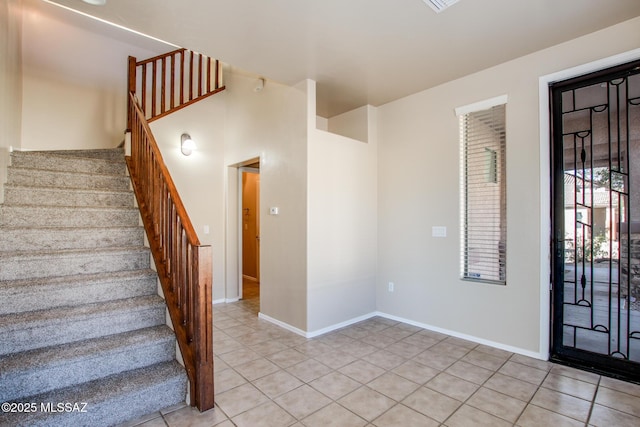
(597, 219)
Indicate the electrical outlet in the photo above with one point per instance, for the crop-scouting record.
(391, 286)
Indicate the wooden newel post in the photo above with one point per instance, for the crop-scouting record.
(131, 82)
(204, 398)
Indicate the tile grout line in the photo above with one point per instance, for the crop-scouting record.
(593, 401)
(529, 402)
(481, 385)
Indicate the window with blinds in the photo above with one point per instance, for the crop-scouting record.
(483, 195)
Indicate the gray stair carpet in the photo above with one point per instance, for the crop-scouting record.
(83, 340)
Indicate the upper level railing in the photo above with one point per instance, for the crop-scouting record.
(157, 87)
(166, 83)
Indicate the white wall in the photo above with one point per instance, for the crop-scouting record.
(229, 128)
(271, 125)
(419, 188)
(318, 256)
(342, 227)
(75, 79)
(199, 178)
(352, 124)
(10, 82)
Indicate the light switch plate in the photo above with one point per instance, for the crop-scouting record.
(439, 231)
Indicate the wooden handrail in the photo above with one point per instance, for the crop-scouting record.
(157, 87)
(166, 83)
(182, 263)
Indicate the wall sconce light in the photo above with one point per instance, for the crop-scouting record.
(186, 144)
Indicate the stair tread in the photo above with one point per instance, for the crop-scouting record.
(71, 252)
(116, 391)
(66, 229)
(57, 162)
(59, 315)
(96, 208)
(84, 152)
(68, 155)
(67, 189)
(22, 238)
(67, 353)
(71, 172)
(77, 280)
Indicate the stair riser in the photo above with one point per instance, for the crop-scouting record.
(26, 239)
(44, 178)
(72, 330)
(51, 197)
(29, 267)
(41, 297)
(67, 163)
(23, 384)
(23, 216)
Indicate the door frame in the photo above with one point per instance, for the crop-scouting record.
(545, 182)
(241, 170)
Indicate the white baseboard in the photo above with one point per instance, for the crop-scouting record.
(471, 338)
(282, 324)
(340, 325)
(225, 300)
(318, 332)
(358, 319)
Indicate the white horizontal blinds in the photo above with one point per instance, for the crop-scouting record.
(483, 192)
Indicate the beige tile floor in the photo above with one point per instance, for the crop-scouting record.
(384, 373)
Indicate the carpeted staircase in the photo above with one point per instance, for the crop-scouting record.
(80, 318)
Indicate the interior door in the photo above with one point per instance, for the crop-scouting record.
(258, 228)
(596, 221)
(250, 224)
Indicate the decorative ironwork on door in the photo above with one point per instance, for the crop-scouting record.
(596, 220)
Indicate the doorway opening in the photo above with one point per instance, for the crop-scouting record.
(249, 197)
(596, 224)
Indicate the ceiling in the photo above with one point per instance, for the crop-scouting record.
(362, 51)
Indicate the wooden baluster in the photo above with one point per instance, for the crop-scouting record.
(184, 282)
(208, 75)
(165, 221)
(182, 77)
(144, 88)
(190, 76)
(173, 80)
(163, 85)
(131, 76)
(200, 74)
(217, 76)
(153, 89)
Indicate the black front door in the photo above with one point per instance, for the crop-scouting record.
(596, 221)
